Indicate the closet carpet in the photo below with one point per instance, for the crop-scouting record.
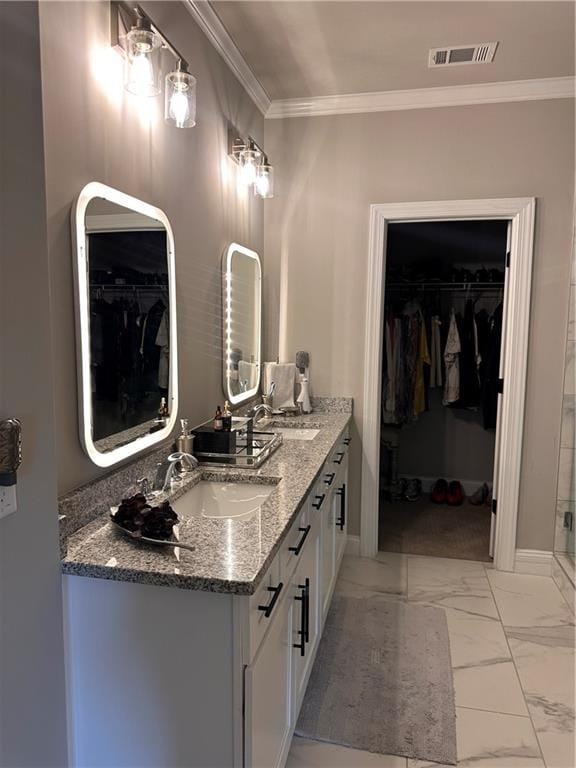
(437, 530)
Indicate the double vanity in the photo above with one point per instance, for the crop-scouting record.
(192, 651)
(201, 658)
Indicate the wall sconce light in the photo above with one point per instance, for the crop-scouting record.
(180, 97)
(264, 185)
(255, 169)
(142, 59)
(141, 42)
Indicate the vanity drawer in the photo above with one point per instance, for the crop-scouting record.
(319, 496)
(294, 543)
(340, 451)
(264, 602)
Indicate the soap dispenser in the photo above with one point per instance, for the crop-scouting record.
(227, 418)
(185, 441)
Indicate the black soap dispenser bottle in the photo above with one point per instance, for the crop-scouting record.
(227, 418)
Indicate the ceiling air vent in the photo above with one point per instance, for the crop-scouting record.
(450, 56)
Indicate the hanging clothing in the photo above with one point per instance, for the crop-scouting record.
(452, 363)
(390, 388)
(435, 353)
(422, 360)
(469, 380)
(490, 367)
(163, 341)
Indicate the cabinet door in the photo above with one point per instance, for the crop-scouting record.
(306, 615)
(341, 515)
(268, 694)
(327, 537)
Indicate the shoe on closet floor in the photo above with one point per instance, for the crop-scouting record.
(413, 490)
(400, 490)
(455, 496)
(439, 492)
(480, 495)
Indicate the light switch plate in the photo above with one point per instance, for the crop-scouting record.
(8, 503)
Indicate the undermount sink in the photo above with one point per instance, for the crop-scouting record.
(214, 500)
(296, 433)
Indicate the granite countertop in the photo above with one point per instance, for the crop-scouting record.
(231, 555)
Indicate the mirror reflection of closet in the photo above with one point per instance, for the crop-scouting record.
(242, 302)
(126, 317)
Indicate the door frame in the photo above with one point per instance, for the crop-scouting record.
(521, 213)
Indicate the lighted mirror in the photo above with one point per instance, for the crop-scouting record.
(126, 324)
(242, 323)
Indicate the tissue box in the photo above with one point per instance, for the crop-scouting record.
(209, 440)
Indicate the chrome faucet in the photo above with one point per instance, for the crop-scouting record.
(168, 468)
(254, 413)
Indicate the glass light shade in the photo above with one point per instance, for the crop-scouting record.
(142, 73)
(248, 166)
(180, 99)
(264, 184)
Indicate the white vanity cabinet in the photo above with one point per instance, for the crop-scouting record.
(268, 695)
(306, 613)
(192, 679)
(328, 551)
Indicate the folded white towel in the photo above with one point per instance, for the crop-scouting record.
(284, 377)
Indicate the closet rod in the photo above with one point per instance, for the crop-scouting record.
(107, 287)
(445, 286)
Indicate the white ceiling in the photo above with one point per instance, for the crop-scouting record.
(304, 48)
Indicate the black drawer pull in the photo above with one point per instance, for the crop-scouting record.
(307, 614)
(329, 478)
(339, 461)
(341, 522)
(320, 501)
(347, 441)
(298, 548)
(304, 631)
(270, 607)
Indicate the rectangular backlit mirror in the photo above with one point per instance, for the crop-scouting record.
(242, 302)
(126, 323)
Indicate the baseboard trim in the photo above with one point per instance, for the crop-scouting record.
(352, 545)
(537, 562)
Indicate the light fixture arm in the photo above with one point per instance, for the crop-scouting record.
(124, 16)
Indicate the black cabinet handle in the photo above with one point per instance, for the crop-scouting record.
(347, 441)
(341, 522)
(320, 501)
(304, 631)
(329, 478)
(307, 614)
(339, 461)
(270, 607)
(298, 548)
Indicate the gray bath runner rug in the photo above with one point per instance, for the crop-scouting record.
(382, 681)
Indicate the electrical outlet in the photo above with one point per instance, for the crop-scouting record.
(7, 500)
(568, 520)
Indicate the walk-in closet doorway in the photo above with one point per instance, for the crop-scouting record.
(519, 215)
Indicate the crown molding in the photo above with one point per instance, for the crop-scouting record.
(425, 98)
(375, 101)
(209, 22)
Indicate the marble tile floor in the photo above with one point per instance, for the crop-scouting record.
(513, 657)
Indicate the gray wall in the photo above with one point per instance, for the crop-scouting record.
(32, 709)
(93, 131)
(329, 170)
